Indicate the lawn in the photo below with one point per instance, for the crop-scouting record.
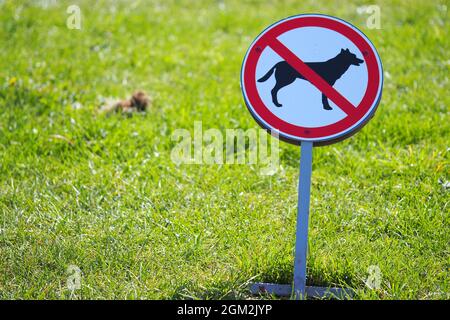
(100, 191)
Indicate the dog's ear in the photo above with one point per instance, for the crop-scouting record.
(342, 50)
(347, 50)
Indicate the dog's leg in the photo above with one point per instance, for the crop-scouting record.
(325, 103)
(284, 75)
(274, 93)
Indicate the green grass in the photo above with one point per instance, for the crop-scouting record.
(138, 226)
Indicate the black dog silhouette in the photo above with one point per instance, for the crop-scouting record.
(329, 70)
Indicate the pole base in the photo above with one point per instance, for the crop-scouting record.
(285, 290)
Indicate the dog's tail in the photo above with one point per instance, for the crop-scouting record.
(268, 74)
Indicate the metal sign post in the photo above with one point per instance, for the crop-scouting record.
(299, 290)
(301, 244)
(288, 82)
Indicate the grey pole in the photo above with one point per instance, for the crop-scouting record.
(299, 289)
(301, 244)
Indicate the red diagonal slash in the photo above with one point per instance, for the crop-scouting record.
(312, 76)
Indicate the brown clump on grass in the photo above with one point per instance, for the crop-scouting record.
(138, 102)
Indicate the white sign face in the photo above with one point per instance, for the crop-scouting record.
(301, 101)
(313, 78)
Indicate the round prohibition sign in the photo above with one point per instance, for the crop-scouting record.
(339, 90)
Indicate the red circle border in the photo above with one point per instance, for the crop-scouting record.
(341, 127)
